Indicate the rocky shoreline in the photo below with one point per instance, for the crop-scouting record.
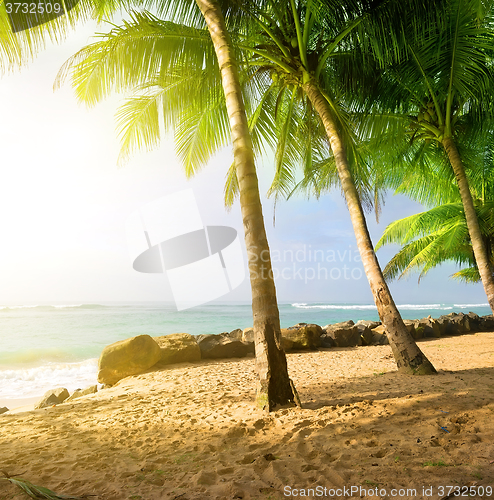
(120, 360)
(144, 353)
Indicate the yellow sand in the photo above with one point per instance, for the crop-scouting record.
(191, 431)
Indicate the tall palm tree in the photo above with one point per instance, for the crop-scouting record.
(274, 386)
(299, 47)
(443, 94)
(158, 58)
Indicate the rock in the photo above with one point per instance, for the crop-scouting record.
(127, 357)
(92, 389)
(454, 324)
(4, 409)
(44, 402)
(79, 392)
(60, 392)
(302, 336)
(370, 324)
(410, 324)
(221, 346)
(487, 323)
(348, 324)
(326, 340)
(427, 327)
(446, 326)
(248, 335)
(475, 322)
(344, 334)
(235, 334)
(379, 336)
(178, 348)
(365, 333)
(52, 397)
(76, 394)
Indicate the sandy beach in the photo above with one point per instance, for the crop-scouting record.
(191, 431)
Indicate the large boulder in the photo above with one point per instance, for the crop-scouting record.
(326, 341)
(52, 397)
(178, 348)
(301, 337)
(434, 328)
(454, 324)
(427, 327)
(4, 409)
(127, 357)
(222, 346)
(345, 334)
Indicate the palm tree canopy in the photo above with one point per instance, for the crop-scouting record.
(434, 237)
(157, 61)
(440, 234)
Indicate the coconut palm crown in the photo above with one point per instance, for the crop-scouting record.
(435, 104)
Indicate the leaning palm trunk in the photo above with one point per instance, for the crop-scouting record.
(409, 358)
(274, 386)
(479, 250)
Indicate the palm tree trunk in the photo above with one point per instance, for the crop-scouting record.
(409, 358)
(274, 386)
(479, 250)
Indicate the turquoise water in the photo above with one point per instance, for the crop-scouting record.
(43, 346)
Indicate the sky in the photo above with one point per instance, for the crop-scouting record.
(64, 203)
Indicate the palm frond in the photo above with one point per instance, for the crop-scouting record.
(40, 492)
(231, 189)
(132, 54)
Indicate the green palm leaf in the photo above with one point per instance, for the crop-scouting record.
(40, 492)
(435, 236)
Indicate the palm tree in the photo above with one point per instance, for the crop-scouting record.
(443, 93)
(274, 387)
(162, 60)
(299, 48)
(441, 234)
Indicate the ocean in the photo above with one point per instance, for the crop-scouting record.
(47, 346)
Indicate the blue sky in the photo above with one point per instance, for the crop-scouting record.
(64, 203)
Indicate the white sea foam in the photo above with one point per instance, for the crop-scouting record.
(50, 306)
(332, 306)
(19, 307)
(32, 382)
(464, 306)
(67, 305)
(440, 307)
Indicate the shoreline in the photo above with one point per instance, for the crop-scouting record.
(16, 405)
